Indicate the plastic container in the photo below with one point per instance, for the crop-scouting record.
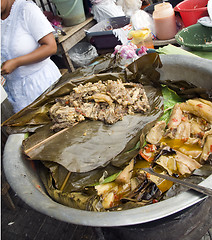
(164, 21)
(141, 37)
(192, 10)
(71, 11)
(101, 35)
(196, 37)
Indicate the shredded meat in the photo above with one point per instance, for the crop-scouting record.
(106, 101)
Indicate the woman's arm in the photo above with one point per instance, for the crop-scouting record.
(48, 47)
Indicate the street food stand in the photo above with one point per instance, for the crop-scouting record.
(131, 223)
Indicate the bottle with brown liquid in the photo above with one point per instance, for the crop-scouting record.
(164, 21)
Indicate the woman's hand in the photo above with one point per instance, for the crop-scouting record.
(48, 47)
(9, 66)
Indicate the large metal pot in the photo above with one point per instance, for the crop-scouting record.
(25, 181)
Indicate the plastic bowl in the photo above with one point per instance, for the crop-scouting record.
(192, 10)
(195, 37)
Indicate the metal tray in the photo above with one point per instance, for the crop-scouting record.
(25, 181)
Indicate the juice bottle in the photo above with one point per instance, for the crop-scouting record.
(164, 21)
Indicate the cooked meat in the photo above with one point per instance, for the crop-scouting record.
(206, 101)
(198, 108)
(196, 127)
(192, 141)
(191, 151)
(183, 169)
(107, 102)
(168, 163)
(207, 149)
(174, 122)
(156, 133)
(175, 118)
(100, 97)
(207, 133)
(189, 135)
(125, 176)
(189, 162)
(60, 114)
(183, 131)
(104, 188)
(178, 163)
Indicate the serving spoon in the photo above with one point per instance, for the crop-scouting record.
(198, 188)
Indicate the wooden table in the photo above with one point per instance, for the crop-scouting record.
(73, 35)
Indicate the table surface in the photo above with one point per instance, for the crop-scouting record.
(70, 31)
(74, 35)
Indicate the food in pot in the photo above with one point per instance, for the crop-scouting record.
(176, 149)
(186, 142)
(105, 101)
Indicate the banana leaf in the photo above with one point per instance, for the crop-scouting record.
(66, 181)
(89, 144)
(93, 144)
(76, 193)
(187, 90)
(36, 114)
(77, 200)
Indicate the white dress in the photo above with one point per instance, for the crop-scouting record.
(20, 33)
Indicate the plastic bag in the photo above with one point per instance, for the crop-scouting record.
(82, 54)
(103, 9)
(130, 6)
(128, 53)
(122, 33)
(141, 19)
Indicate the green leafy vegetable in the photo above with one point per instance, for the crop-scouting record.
(137, 146)
(170, 99)
(107, 180)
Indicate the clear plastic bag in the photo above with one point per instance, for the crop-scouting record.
(82, 54)
(130, 6)
(141, 19)
(103, 9)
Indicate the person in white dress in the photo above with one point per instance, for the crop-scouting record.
(27, 42)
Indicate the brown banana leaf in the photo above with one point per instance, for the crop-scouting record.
(66, 181)
(36, 114)
(93, 144)
(77, 200)
(77, 194)
(90, 144)
(188, 90)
